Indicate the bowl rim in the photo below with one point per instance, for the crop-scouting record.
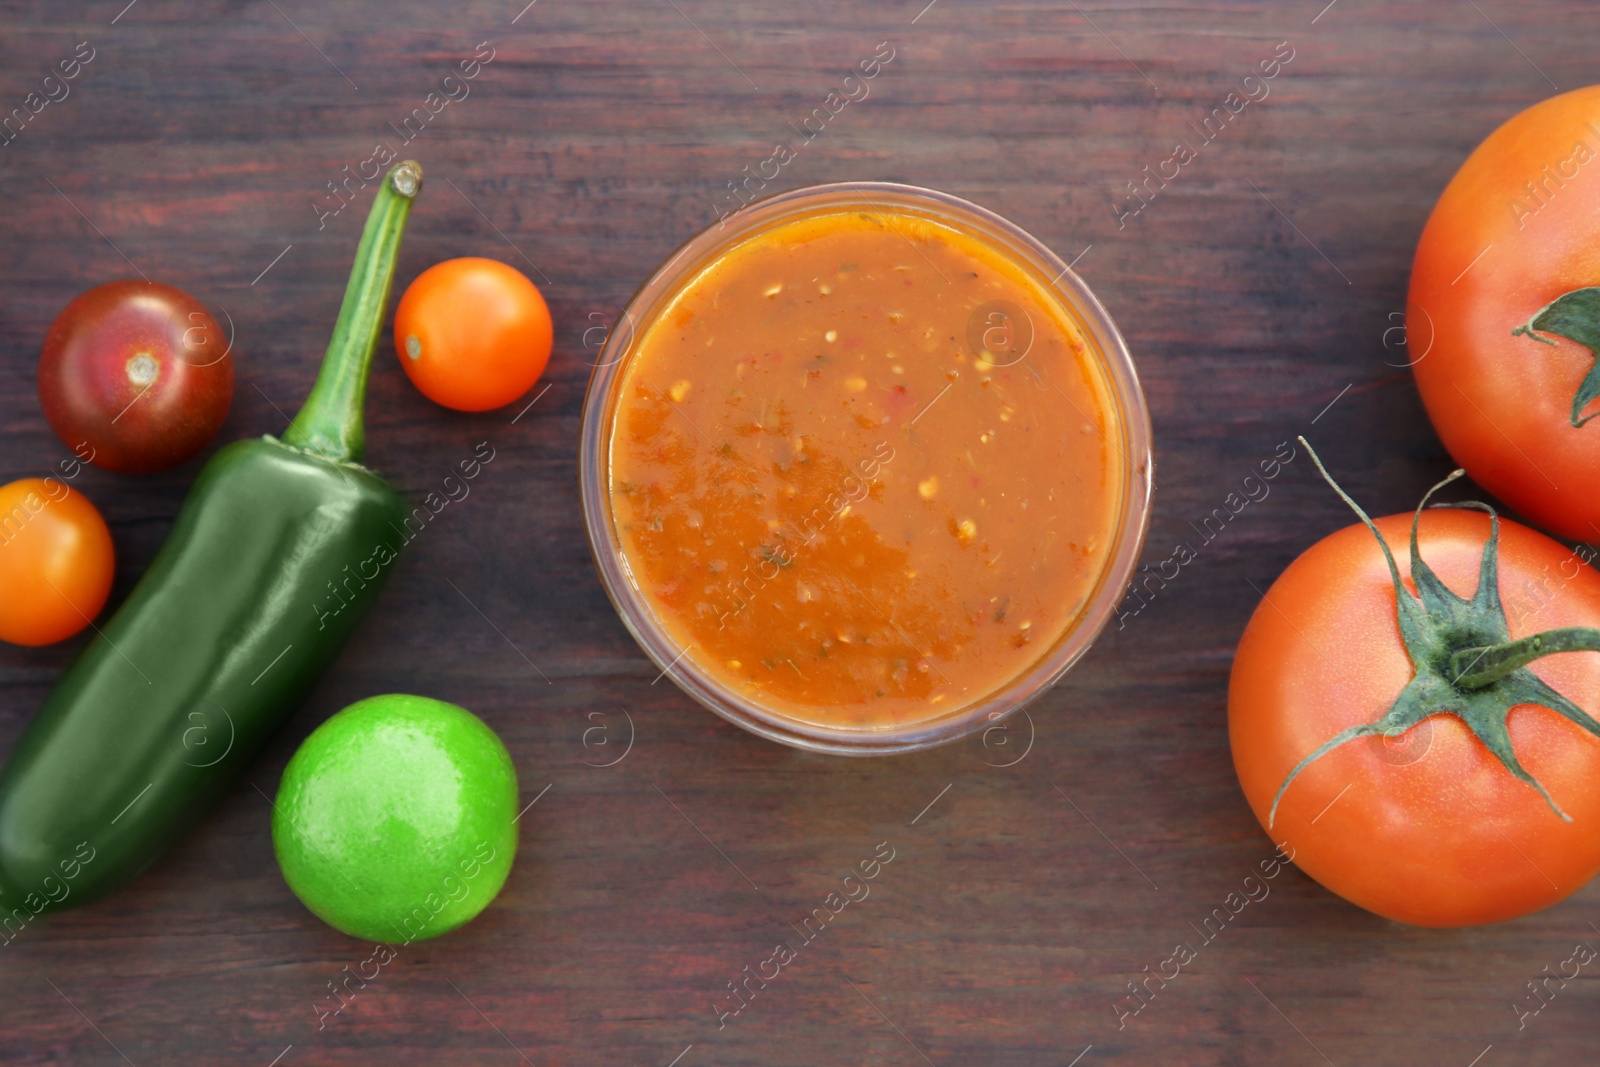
(1010, 240)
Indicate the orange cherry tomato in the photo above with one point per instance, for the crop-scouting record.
(56, 561)
(473, 334)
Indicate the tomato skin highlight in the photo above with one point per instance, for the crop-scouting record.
(1517, 227)
(56, 561)
(137, 371)
(472, 334)
(1428, 828)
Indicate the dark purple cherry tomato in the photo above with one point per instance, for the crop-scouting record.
(137, 371)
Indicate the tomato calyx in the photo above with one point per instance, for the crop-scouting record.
(1575, 316)
(1464, 661)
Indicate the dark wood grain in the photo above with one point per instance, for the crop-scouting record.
(1252, 290)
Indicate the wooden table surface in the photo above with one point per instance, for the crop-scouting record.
(1264, 282)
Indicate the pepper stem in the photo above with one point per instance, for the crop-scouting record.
(330, 423)
(1474, 668)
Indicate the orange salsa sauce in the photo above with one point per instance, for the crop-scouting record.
(860, 468)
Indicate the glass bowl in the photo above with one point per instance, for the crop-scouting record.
(1128, 418)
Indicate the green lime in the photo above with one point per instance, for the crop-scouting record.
(394, 820)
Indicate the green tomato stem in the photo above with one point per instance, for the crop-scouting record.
(1475, 668)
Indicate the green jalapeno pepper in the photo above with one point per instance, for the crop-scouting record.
(278, 550)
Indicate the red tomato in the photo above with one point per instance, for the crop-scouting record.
(1426, 827)
(56, 561)
(137, 371)
(1516, 228)
(472, 334)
